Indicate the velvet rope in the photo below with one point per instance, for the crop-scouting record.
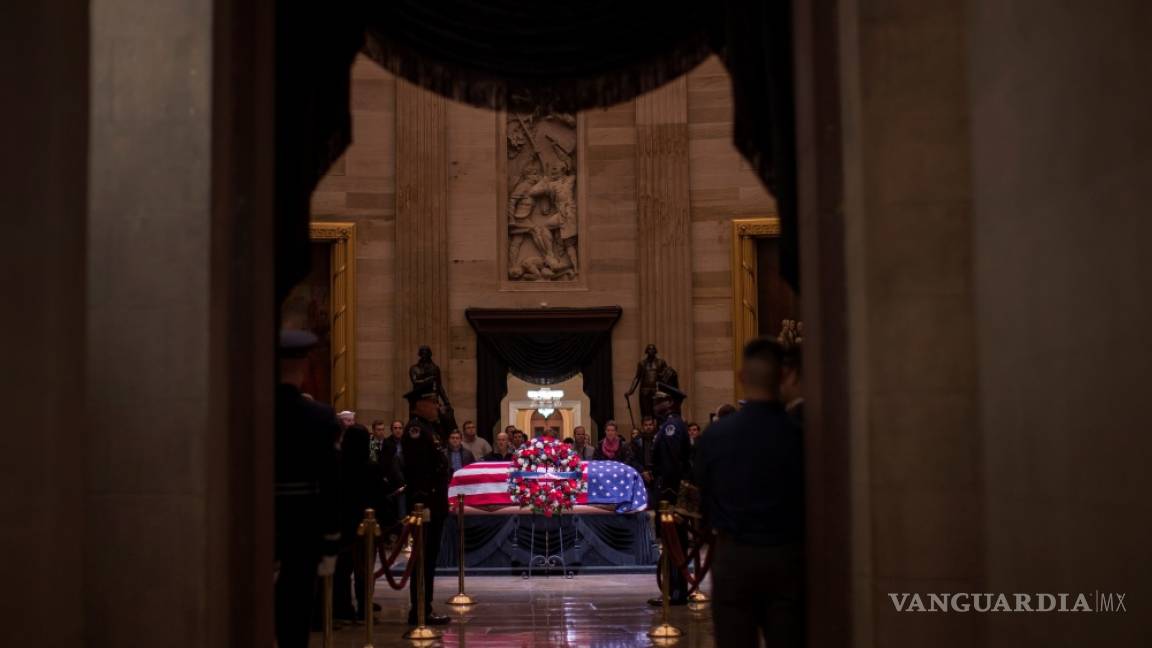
(386, 569)
(681, 561)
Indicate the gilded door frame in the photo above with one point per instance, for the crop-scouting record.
(745, 306)
(342, 286)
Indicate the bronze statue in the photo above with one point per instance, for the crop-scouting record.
(426, 373)
(650, 371)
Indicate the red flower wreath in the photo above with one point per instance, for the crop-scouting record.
(546, 476)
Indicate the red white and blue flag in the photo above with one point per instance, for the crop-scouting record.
(485, 483)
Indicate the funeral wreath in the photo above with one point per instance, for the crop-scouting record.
(546, 476)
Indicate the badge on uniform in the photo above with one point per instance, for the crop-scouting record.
(669, 430)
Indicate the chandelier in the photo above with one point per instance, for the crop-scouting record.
(546, 400)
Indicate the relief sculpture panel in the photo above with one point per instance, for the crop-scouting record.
(542, 209)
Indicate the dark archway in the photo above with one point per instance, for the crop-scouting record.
(542, 345)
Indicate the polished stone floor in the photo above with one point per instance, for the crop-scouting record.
(589, 610)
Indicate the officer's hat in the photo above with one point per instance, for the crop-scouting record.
(420, 393)
(296, 343)
(665, 391)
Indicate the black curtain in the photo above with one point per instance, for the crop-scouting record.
(542, 346)
(570, 56)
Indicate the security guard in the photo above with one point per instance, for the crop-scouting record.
(670, 466)
(426, 474)
(307, 519)
(750, 471)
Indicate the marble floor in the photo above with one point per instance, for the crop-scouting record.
(600, 611)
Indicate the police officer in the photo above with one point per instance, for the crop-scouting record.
(669, 466)
(426, 475)
(307, 519)
(750, 471)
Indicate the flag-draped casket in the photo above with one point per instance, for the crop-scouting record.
(485, 483)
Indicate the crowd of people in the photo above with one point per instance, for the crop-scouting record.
(747, 465)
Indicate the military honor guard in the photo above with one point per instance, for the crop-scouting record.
(670, 454)
(426, 474)
(307, 511)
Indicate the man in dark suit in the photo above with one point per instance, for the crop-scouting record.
(307, 509)
(458, 455)
(361, 487)
(669, 468)
(750, 471)
(426, 474)
(642, 452)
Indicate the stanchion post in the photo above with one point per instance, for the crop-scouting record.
(329, 640)
(370, 529)
(665, 630)
(461, 598)
(421, 632)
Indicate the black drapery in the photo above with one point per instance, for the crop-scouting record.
(501, 543)
(542, 346)
(571, 56)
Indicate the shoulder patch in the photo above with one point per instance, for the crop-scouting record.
(669, 430)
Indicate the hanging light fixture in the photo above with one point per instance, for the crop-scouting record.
(546, 400)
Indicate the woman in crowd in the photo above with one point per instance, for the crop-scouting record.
(612, 447)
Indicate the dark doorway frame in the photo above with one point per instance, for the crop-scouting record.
(499, 328)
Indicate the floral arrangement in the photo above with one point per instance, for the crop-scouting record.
(546, 476)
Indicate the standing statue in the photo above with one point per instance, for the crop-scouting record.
(651, 371)
(425, 374)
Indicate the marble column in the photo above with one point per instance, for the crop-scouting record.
(177, 513)
(664, 229)
(909, 317)
(422, 270)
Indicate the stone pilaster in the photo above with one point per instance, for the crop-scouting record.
(422, 272)
(664, 229)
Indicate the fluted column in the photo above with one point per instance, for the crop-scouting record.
(421, 232)
(664, 237)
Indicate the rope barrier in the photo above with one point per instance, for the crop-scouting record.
(388, 561)
(682, 561)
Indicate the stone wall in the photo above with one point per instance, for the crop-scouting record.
(362, 188)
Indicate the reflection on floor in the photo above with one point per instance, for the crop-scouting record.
(599, 611)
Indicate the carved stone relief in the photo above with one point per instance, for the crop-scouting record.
(543, 232)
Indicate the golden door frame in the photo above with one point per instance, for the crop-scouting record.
(745, 302)
(342, 286)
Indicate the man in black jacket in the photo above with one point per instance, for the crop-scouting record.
(750, 471)
(307, 512)
(426, 474)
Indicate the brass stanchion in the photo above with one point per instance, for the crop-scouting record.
(461, 599)
(421, 632)
(329, 641)
(665, 630)
(370, 529)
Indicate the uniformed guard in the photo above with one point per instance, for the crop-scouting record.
(426, 475)
(670, 466)
(307, 519)
(750, 470)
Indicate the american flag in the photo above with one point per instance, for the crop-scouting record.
(485, 483)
